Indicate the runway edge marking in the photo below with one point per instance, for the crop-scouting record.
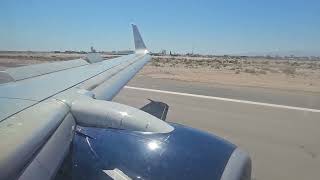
(224, 99)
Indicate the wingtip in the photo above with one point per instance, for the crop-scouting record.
(138, 41)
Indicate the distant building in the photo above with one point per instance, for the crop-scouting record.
(92, 49)
(161, 53)
(123, 52)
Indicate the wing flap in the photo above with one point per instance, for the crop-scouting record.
(12, 106)
(25, 72)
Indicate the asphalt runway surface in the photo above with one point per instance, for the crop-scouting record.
(279, 129)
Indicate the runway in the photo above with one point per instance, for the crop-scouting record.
(283, 142)
(256, 94)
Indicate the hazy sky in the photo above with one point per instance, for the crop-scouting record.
(209, 26)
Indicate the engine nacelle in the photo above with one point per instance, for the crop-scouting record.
(105, 114)
(184, 153)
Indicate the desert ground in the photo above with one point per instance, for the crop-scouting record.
(239, 71)
(285, 74)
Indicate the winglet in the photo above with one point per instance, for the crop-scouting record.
(139, 45)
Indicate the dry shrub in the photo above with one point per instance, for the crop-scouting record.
(289, 70)
(262, 72)
(251, 71)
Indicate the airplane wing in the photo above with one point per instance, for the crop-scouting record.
(53, 111)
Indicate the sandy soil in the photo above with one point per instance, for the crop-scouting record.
(240, 71)
(278, 74)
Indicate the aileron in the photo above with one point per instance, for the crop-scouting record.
(25, 72)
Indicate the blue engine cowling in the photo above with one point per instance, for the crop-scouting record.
(184, 153)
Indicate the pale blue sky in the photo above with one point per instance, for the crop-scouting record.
(220, 27)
